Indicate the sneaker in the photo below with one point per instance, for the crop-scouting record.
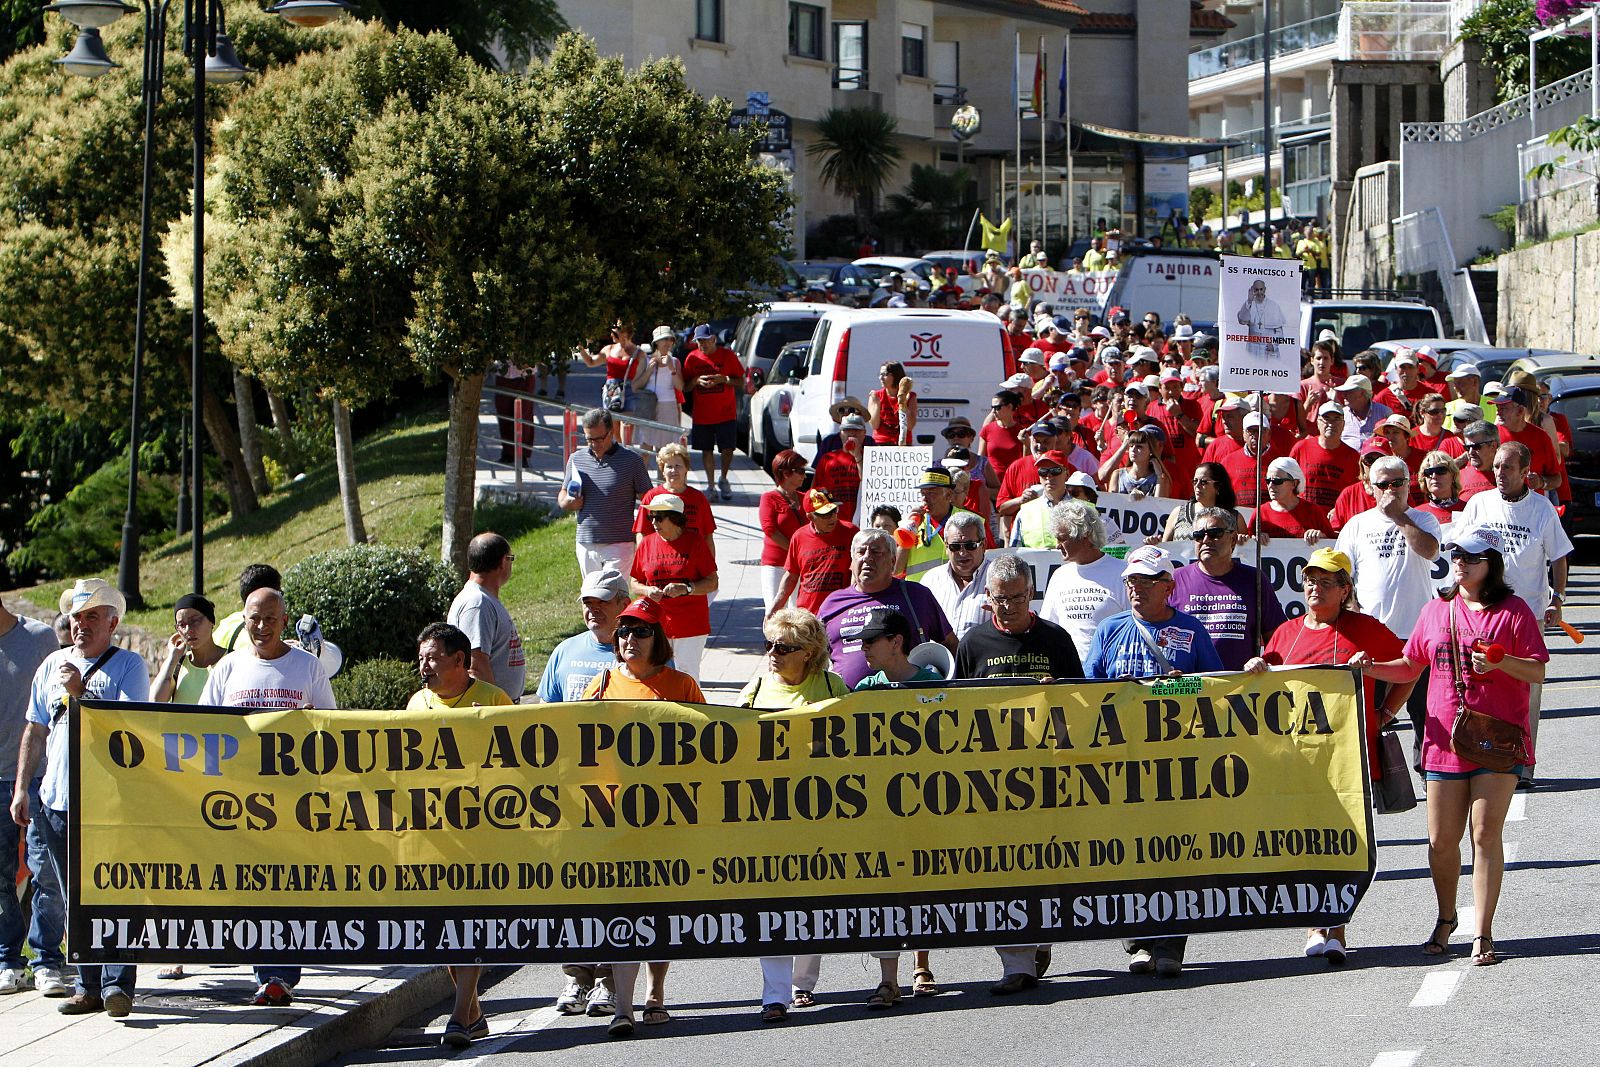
(1316, 943)
(49, 983)
(1167, 967)
(602, 1002)
(274, 993)
(724, 488)
(118, 1004)
(14, 980)
(83, 1004)
(457, 1035)
(1141, 962)
(1335, 954)
(573, 998)
(1013, 983)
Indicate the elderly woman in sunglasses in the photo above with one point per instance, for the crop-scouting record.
(1440, 481)
(1487, 648)
(796, 674)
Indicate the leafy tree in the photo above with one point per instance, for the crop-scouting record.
(21, 26)
(453, 217)
(859, 155)
(1501, 28)
(484, 29)
(935, 208)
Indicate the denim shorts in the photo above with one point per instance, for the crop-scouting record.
(1460, 776)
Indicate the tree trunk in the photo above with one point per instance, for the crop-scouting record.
(344, 452)
(244, 400)
(293, 462)
(461, 470)
(241, 494)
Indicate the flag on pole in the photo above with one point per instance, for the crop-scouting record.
(995, 238)
(1061, 81)
(1037, 101)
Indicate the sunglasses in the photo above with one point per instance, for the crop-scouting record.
(782, 649)
(1078, 492)
(962, 546)
(1051, 472)
(1210, 533)
(1481, 444)
(1392, 483)
(1435, 472)
(1279, 481)
(963, 433)
(657, 516)
(1466, 557)
(635, 632)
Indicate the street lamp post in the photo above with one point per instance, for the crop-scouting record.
(210, 51)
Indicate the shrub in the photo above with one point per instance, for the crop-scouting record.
(372, 600)
(377, 684)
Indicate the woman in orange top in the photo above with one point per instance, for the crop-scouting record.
(642, 674)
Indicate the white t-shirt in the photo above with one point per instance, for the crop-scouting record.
(295, 679)
(1393, 583)
(1533, 538)
(1082, 595)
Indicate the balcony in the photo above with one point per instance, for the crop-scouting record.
(1396, 32)
(1252, 143)
(1286, 41)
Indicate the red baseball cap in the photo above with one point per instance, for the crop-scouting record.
(644, 609)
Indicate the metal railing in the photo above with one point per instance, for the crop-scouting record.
(1251, 143)
(1286, 41)
(1500, 115)
(549, 427)
(1395, 32)
(1570, 168)
(1422, 245)
(951, 95)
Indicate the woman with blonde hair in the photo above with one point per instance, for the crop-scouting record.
(1439, 478)
(672, 461)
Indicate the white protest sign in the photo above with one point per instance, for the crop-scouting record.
(1062, 290)
(889, 475)
(1141, 518)
(1258, 313)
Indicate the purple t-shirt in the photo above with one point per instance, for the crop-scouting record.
(848, 607)
(1226, 607)
(1509, 623)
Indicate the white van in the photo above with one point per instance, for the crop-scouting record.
(957, 359)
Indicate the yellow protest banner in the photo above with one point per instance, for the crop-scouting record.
(913, 816)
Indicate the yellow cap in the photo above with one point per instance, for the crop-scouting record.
(1328, 559)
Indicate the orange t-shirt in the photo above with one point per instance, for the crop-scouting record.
(667, 684)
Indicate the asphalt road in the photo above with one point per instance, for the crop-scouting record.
(1247, 998)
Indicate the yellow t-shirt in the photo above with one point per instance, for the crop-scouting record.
(479, 694)
(769, 692)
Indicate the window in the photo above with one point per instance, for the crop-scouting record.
(708, 20)
(914, 50)
(850, 55)
(805, 30)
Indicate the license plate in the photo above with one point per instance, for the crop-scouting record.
(935, 413)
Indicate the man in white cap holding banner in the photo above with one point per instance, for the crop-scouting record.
(91, 667)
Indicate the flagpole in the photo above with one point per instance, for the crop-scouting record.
(1016, 110)
(1066, 129)
(1044, 109)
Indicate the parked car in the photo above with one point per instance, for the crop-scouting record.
(1360, 324)
(1576, 394)
(1492, 361)
(757, 341)
(841, 279)
(771, 404)
(964, 260)
(955, 358)
(877, 266)
(1543, 363)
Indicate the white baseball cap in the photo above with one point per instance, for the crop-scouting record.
(1149, 561)
(1354, 382)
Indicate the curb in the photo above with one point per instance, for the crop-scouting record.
(344, 1029)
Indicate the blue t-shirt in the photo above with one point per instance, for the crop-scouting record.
(123, 676)
(1118, 650)
(571, 666)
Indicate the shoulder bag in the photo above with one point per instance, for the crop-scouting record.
(1476, 737)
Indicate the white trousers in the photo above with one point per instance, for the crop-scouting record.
(782, 975)
(594, 557)
(771, 582)
(1019, 959)
(686, 653)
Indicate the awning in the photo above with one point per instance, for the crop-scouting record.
(1091, 137)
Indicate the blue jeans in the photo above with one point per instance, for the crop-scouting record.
(49, 922)
(93, 978)
(289, 976)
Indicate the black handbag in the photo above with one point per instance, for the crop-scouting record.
(1393, 792)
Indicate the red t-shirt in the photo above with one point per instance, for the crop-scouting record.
(1021, 474)
(840, 474)
(1180, 453)
(1472, 481)
(1546, 460)
(1241, 468)
(1403, 403)
(717, 404)
(1442, 513)
(777, 514)
(696, 511)
(1353, 500)
(1327, 470)
(1220, 448)
(821, 562)
(1002, 446)
(1275, 523)
(1293, 643)
(659, 562)
(1563, 436)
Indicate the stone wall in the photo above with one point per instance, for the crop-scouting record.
(1547, 295)
(1562, 211)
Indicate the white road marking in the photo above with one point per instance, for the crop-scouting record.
(1397, 1058)
(1511, 851)
(1518, 811)
(1466, 920)
(1437, 989)
(529, 1024)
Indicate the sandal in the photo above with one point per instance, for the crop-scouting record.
(1436, 945)
(621, 1026)
(174, 971)
(804, 999)
(656, 1014)
(1488, 957)
(886, 996)
(773, 1013)
(922, 983)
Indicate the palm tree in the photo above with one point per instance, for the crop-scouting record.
(934, 207)
(858, 153)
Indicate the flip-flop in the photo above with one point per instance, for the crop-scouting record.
(803, 998)
(923, 984)
(172, 972)
(621, 1026)
(655, 1015)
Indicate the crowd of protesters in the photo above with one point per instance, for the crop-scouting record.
(1368, 468)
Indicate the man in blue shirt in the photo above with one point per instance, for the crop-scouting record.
(89, 667)
(1149, 640)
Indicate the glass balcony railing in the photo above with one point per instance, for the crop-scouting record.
(1286, 41)
(1252, 143)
